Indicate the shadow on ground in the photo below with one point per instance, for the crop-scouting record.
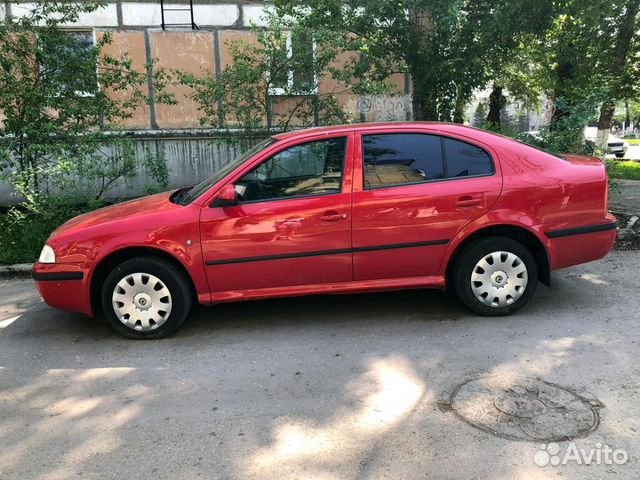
(320, 387)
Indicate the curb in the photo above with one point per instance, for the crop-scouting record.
(17, 270)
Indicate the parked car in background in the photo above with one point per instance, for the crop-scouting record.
(615, 145)
(344, 209)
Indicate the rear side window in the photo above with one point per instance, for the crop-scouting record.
(406, 158)
(464, 159)
(401, 158)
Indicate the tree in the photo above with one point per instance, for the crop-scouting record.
(56, 91)
(276, 83)
(622, 74)
(446, 47)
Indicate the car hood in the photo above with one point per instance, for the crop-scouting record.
(120, 211)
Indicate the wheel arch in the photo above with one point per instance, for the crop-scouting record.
(105, 265)
(515, 232)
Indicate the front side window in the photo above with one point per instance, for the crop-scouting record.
(406, 158)
(314, 168)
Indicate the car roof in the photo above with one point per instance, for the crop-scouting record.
(363, 127)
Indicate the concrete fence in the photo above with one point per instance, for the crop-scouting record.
(191, 156)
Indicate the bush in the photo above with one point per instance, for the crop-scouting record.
(629, 170)
(27, 226)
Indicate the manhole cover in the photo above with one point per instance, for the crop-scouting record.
(525, 409)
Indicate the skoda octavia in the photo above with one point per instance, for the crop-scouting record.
(355, 208)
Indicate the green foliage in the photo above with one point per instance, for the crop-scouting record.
(628, 170)
(449, 48)
(26, 227)
(57, 94)
(274, 84)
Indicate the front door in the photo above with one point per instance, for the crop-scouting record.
(292, 225)
(413, 191)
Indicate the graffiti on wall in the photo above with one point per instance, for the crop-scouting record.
(382, 108)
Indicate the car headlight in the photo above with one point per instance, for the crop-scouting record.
(47, 255)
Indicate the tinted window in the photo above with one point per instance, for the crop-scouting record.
(396, 159)
(313, 168)
(464, 159)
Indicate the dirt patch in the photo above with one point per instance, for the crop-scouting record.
(628, 231)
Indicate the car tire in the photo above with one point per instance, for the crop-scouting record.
(494, 276)
(619, 155)
(146, 298)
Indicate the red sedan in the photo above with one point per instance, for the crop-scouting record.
(337, 210)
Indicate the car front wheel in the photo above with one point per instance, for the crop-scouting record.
(495, 276)
(146, 298)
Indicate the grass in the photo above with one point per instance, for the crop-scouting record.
(633, 141)
(626, 170)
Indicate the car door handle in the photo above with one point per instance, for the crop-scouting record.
(467, 201)
(333, 216)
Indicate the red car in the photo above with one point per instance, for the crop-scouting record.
(344, 209)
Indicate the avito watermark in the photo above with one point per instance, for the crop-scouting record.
(551, 454)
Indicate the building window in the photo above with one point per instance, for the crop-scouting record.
(71, 63)
(295, 73)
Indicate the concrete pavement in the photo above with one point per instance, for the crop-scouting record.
(633, 153)
(625, 197)
(337, 387)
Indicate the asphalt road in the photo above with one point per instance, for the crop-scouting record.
(340, 387)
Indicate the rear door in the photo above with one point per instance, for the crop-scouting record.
(292, 225)
(413, 191)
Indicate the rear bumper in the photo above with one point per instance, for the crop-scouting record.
(576, 245)
(64, 286)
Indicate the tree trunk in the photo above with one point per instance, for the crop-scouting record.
(621, 52)
(458, 113)
(424, 100)
(627, 116)
(565, 73)
(497, 101)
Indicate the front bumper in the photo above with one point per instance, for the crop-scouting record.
(65, 286)
(617, 149)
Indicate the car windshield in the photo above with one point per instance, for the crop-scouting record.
(191, 193)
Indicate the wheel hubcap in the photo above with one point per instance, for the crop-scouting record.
(499, 279)
(142, 301)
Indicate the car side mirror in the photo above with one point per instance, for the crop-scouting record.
(227, 196)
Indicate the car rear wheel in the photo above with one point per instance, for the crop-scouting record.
(619, 155)
(495, 276)
(146, 298)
